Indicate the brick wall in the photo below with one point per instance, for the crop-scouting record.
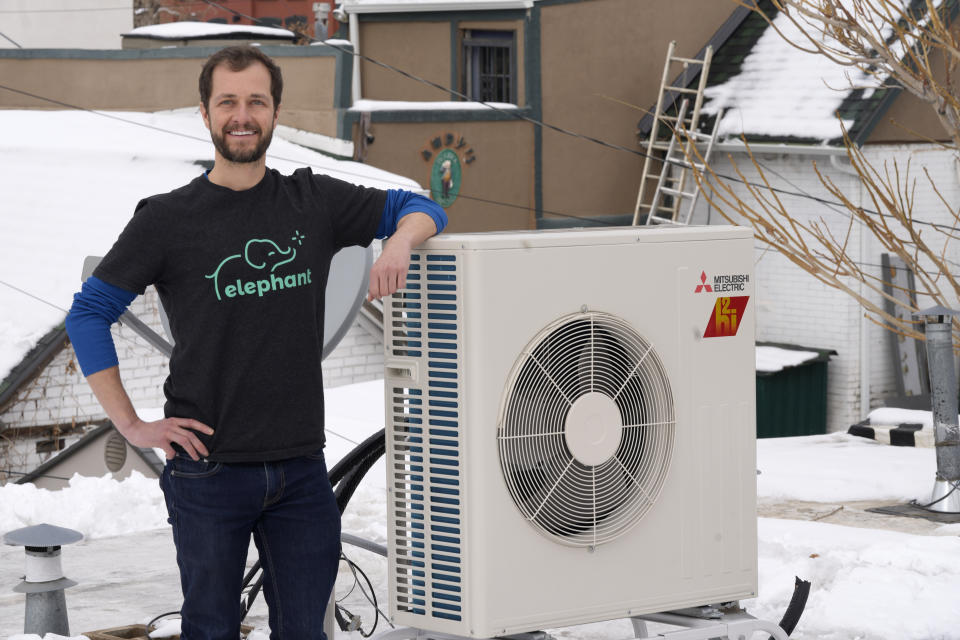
(61, 396)
(793, 306)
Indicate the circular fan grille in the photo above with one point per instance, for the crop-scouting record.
(586, 429)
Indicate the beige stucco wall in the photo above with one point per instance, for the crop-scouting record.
(157, 84)
(502, 171)
(601, 66)
(599, 58)
(422, 48)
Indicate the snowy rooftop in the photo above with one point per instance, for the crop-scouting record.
(70, 181)
(187, 30)
(783, 92)
(881, 577)
(442, 105)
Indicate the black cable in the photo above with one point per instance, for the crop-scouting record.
(371, 597)
(954, 487)
(798, 602)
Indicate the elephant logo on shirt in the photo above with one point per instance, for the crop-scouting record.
(263, 256)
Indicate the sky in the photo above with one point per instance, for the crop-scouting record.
(873, 576)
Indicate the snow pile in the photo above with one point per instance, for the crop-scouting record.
(70, 181)
(96, 507)
(864, 583)
(771, 359)
(189, 29)
(841, 468)
(894, 416)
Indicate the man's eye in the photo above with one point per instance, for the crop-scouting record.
(226, 102)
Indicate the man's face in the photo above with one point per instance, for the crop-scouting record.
(241, 115)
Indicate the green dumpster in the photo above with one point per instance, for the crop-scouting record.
(791, 389)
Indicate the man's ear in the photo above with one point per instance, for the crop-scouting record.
(205, 116)
(276, 115)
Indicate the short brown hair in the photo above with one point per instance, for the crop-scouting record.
(238, 58)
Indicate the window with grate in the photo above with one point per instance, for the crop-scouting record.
(489, 65)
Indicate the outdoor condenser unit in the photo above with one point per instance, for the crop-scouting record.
(570, 427)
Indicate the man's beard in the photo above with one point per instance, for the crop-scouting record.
(251, 155)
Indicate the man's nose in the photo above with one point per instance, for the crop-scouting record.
(241, 114)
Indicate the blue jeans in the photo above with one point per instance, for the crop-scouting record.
(290, 509)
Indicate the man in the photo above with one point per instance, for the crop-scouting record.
(240, 258)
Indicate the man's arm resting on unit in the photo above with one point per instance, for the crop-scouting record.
(97, 306)
(408, 220)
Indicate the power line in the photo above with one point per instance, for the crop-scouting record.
(274, 156)
(540, 123)
(38, 298)
(15, 43)
(41, 475)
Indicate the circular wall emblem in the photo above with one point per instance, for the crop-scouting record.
(445, 178)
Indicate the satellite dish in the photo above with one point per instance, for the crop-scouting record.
(346, 290)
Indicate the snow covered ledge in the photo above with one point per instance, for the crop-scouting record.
(451, 105)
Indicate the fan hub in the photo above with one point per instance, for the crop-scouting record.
(593, 428)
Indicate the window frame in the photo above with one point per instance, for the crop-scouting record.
(473, 43)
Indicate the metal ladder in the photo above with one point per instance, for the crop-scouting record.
(679, 122)
(677, 165)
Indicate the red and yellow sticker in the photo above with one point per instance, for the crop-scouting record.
(726, 317)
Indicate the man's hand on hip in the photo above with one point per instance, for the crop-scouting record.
(163, 433)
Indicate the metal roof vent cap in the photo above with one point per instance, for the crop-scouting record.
(43, 583)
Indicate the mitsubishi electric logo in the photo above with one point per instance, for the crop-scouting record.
(723, 284)
(252, 272)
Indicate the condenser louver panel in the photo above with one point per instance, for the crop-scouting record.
(565, 447)
(426, 444)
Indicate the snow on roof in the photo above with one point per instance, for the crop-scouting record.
(443, 105)
(70, 181)
(187, 29)
(782, 91)
(400, 6)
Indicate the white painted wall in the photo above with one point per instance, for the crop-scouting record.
(64, 24)
(794, 307)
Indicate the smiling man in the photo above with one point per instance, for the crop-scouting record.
(240, 257)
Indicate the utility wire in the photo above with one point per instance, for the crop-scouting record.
(38, 298)
(15, 43)
(332, 170)
(511, 112)
(520, 116)
(42, 475)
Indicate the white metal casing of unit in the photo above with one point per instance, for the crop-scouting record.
(463, 558)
